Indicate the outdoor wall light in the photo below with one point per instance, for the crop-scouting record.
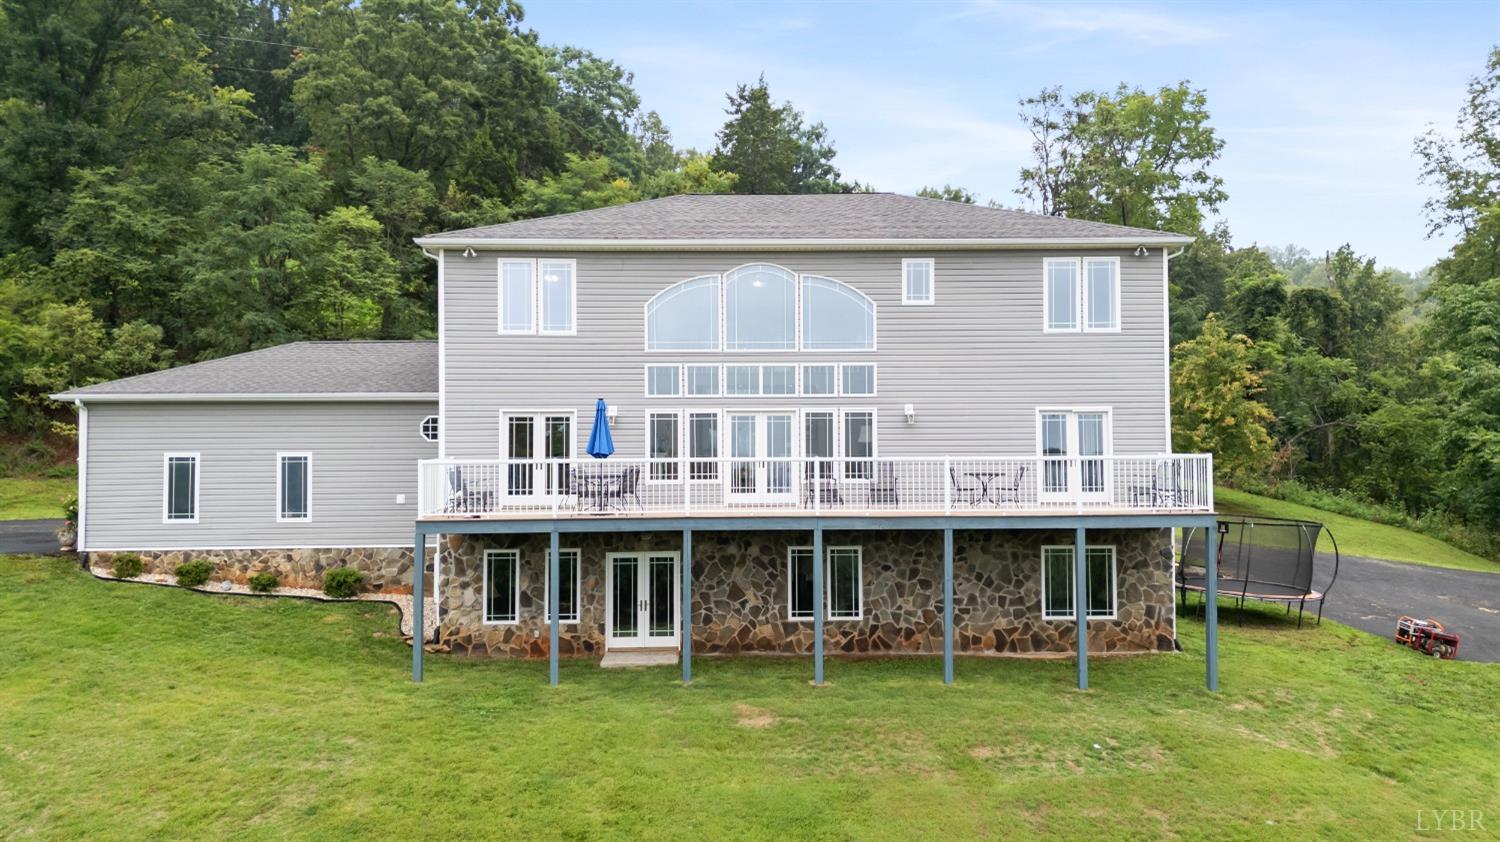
(911, 414)
(612, 412)
(1140, 251)
(469, 252)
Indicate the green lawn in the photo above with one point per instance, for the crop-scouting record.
(1355, 536)
(23, 498)
(136, 711)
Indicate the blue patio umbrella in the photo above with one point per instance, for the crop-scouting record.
(601, 445)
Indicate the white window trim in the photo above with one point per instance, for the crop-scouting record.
(484, 593)
(874, 380)
(906, 299)
(1074, 411)
(802, 380)
(681, 380)
(562, 553)
(422, 429)
(280, 478)
(1047, 263)
(718, 391)
(166, 488)
(572, 329)
(723, 345)
(535, 326)
(646, 440)
(1114, 583)
(530, 329)
(687, 441)
(1083, 286)
(724, 381)
(828, 616)
(841, 444)
(500, 444)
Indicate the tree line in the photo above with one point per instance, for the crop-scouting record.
(184, 179)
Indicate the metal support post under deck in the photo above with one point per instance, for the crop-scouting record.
(419, 561)
(1211, 606)
(948, 606)
(1080, 606)
(554, 572)
(818, 604)
(687, 606)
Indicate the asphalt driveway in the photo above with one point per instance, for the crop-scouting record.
(1371, 595)
(29, 537)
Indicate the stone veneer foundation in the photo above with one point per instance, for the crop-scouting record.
(740, 593)
(386, 569)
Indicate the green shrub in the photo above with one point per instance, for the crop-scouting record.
(264, 582)
(128, 566)
(191, 574)
(343, 582)
(70, 509)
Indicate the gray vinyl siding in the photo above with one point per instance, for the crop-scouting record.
(975, 364)
(363, 455)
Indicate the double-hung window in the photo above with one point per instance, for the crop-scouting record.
(569, 567)
(1057, 582)
(538, 296)
(293, 486)
(918, 280)
(180, 488)
(843, 583)
(502, 586)
(1081, 293)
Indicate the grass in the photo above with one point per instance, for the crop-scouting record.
(25, 498)
(131, 711)
(1355, 536)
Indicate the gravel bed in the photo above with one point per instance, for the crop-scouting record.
(401, 600)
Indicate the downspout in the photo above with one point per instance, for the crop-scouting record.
(1166, 345)
(437, 550)
(83, 477)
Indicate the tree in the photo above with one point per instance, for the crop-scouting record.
(694, 173)
(947, 193)
(1214, 406)
(584, 184)
(770, 150)
(598, 106)
(1465, 171)
(1129, 157)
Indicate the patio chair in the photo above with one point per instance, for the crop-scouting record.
(885, 489)
(628, 486)
(824, 489)
(462, 499)
(965, 490)
(1011, 493)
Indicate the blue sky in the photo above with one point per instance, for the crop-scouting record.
(1318, 104)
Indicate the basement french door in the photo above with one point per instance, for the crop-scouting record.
(761, 447)
(539, 447)
(640, 608)
(1068, 438)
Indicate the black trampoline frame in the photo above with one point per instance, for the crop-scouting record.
(1244, 587)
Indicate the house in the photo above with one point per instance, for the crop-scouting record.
(861, 423)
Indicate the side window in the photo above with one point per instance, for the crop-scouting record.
(538, 296)
(180, 488)
(1061, 294)
(1101, 293)
(502, 586)
(663, 381)
(293, 486)
(1100, 586)
(556, 292)
(429, 428)
(662, 439)
(918, 280)
(517, 308)
(1081, 294)
(843, 585)
(569, 566)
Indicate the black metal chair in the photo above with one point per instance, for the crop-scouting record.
(628, 486)
(816, 488)
(885, 489)
(968, 492)
(1011, 493)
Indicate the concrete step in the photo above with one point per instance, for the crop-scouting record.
(619, 658)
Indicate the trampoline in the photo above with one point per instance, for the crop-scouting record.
(1260, 558)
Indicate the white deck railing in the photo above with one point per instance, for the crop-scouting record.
(748, 487)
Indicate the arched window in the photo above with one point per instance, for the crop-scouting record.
(685, 316)
(835, 316)
(760, 309)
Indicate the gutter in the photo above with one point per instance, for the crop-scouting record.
(808, 244)
(226, 397)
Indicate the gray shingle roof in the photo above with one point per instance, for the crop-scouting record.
(297, 368)
(842, 216)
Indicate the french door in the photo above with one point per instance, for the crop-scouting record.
(1072, 443)
(641, 605)
(761, 447)
(539, 448)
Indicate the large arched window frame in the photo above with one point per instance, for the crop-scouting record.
(671, 313)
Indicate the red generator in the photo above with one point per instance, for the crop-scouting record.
(1428, 637)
